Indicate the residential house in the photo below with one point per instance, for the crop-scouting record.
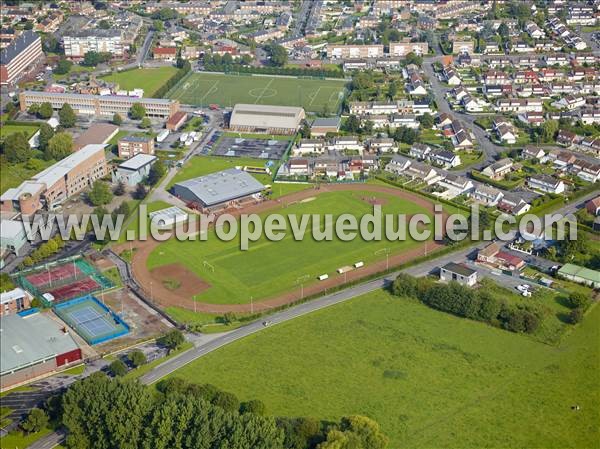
(533, 152)
(458, 273)
(419, 151)
(593, 206)
(399, 164)
(382, 145)
(545, 183)
(444, 158)
(499, 169)
(487, 195)
(308, 146)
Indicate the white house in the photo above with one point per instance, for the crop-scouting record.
(547, 184)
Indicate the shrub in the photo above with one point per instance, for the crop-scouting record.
(118, 368)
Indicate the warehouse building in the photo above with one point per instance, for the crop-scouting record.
(33, 346)
(266, 119)
(218, 190)
(99, 105)
(19, 57)
(581, 275)
(134, 170)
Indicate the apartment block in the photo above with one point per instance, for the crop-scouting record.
(130, 146)
(19, 57)
(77, 44)
(354, 51)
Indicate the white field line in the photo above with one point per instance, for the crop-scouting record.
(315, 96)
(264, 90)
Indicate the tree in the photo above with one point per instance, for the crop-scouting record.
(413, 58)
(352, 124)
(355, 432)
(305, 131)
(137, 358)
(140, 192)
(119, 189)
(255, 406)
(104, 24)
(172, 339)
(35, 421)
(549, 128)
(158, 25)
(118, 368)
(16, 148)
(117, 119)
(137, 111)
(100, 193)
(59, 146)
(279, 55)
(145, 123)
(91, 59)
(426, 120)
(157, 171)
(578, 300)
(227, 401)
(576, 315)
(45, 111)
(34, 109)
(66, 116)
(63, 66)
(503, 31)
(46, 133)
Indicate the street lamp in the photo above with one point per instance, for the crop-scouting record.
(387, 256)
(300, 280)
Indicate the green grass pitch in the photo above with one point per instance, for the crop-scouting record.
(202, 89)
(430, 379)
(148, 79)
(270, 268)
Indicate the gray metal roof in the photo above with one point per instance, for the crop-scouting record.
(327, 121)
(222, 186)
(266, 116)
(20, 43)
(29, 340)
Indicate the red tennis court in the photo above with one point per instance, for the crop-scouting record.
(67, 271)
(78, 288)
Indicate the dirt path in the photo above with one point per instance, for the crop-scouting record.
(158, 293)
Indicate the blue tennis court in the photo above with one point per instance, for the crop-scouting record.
(91, 319)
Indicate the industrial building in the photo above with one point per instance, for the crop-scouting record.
(99, 105)
(581, 275)
(134, 170)
(52, 186)
(218, 190)
(33, 346)
(266, 118)
(19, 57)
(13, 239)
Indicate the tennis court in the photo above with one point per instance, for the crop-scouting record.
(64, 279)
(91, 319)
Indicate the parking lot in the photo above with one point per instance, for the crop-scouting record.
(255, 148)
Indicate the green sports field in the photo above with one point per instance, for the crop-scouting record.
(430, 379)
(270, 268)
(148, 79)
(7, 130)
(313, 95)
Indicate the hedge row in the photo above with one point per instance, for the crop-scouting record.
(479, 305)
(162, 91)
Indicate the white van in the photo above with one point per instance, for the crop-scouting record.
(323, 277)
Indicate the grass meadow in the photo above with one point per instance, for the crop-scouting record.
(314, 95)
(148, 79)
(430, 379)
(269, 268)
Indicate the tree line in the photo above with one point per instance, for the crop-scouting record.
(271, 70)
(100, 412)
(479, 305)
(184, 68)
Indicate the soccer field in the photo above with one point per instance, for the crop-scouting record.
(270, 268)
(202, 89)
(430, 379)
